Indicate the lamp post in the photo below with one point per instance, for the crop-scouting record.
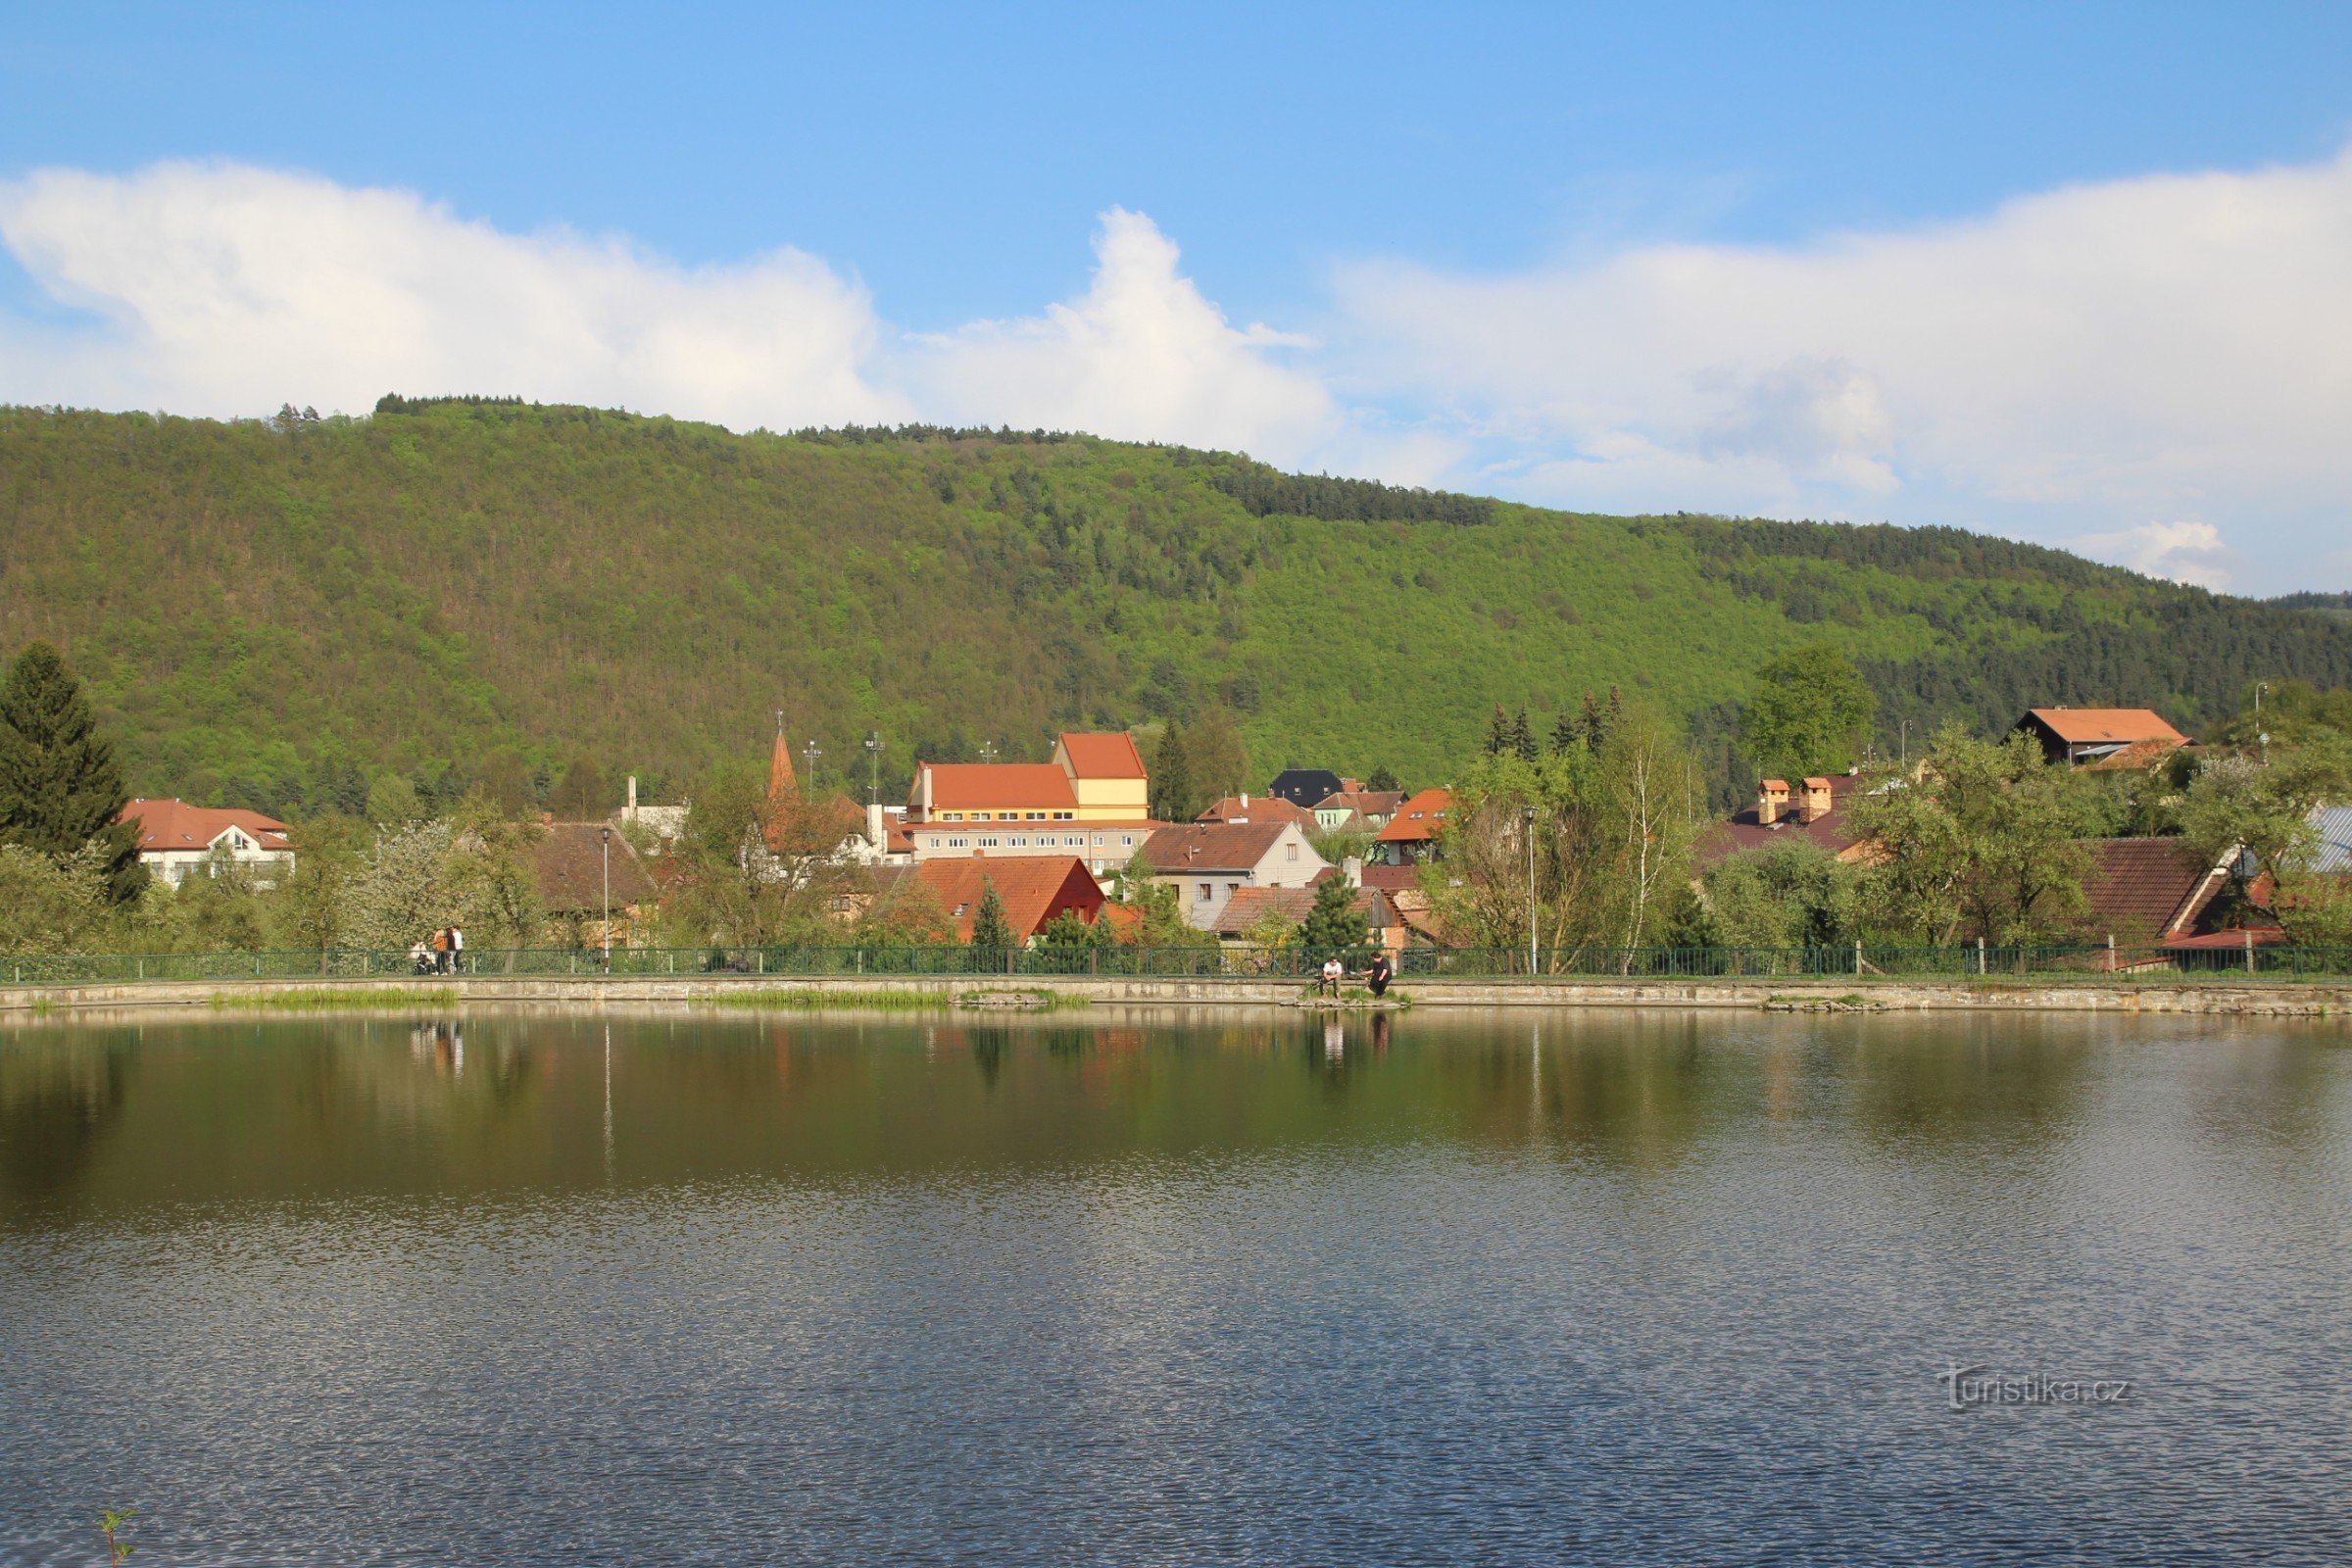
(2262, 739)
(810, 753)
(605, 854)
(1527, 823)
(873, 766)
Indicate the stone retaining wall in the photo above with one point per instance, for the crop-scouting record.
(2277, 999)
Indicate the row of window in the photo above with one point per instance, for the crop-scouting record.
(1022, 841)
(1008, 816)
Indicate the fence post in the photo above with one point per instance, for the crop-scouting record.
(2249, 953)
(2111, 952)
(1979, 956)
(1857, 959)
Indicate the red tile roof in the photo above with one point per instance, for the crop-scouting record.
(1417, 819)
(1249, 906)
(2093, 726)
(176, 825)
(2145, 887)
(1109, 756)
(995, 786)
(1393, 878)
(1034, 889)
(1212, 846)
(1368, 803)
(570, 863)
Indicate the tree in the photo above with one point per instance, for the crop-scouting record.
(991, 932)
(494, 878)
(1174, 796)
(51, 904)
(505, 783)
(1990, 841)
(1162, 923)
(1216, 762)
(59, 786)
(2261, 814)
(1069, 929)
(393, 802)
(1382, 780)
(1334, 923)
(1274, 929)
(1810, 713)
(313, 908)
(1498, 734)
(401, 892)
(1789, 894)
(1523, 737)
(581, 795)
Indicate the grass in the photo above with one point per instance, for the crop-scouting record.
(809, 997)
(327, 999)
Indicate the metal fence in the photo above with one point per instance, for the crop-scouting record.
(1859, 962)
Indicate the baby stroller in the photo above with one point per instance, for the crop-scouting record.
(422, 959)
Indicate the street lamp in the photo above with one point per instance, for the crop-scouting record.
(1527, 821)
(605, 853)
(810, 753)
(873, 766)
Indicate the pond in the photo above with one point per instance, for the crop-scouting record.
(1511, 1287)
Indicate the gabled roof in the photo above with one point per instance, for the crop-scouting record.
(1306, 785)
(571, 865)
(997, 786)
(1393, 878)
(1367, 803)
(1187, 846)
(1249, 906)
(176, 825)
(1745, 829)
(1257, 809)
(2100, 726)
(1417, 819)
(1034, 889)
(796, 824)
(1104, 755)
(2149, 886)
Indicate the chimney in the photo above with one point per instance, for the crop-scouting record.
(923, 783)
(877, 832)
(1353, 868)
(1772, 799)
(628, 812)
(1813, 801)
(1245, 800)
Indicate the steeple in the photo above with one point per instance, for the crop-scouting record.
(782, 783)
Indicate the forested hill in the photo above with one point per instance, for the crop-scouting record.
(270, 612)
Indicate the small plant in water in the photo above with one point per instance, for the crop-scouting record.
(113, 1525)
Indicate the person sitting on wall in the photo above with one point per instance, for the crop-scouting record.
(1334, 971)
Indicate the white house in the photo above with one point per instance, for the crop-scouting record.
(1208, 863)
(176, 838)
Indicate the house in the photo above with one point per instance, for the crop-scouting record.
(1303, 787)
(176, 838)
(1091, 802)
(1414, 831)
(2331, 856)
(1814, 812)
(804, 827)
(1243, 912)
(663, 825)
(1257, 809)
(1357, 811)
(2077, 736)
(2152, 892)
(1033, 890)
(583, 869)
(1208, 863)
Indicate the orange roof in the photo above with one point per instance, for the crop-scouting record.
(1817, 783)
(1034, 889)
(177, 825)
(1111, 756)
(1779, 784)
(2092, 726)
(781, 781)
(1417, 819)
(1257, 809)
(992, 786)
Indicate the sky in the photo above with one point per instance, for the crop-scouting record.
(2078, 274)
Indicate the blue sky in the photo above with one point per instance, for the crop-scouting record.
(1355, 237)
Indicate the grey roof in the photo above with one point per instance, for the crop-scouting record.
(2334, 851)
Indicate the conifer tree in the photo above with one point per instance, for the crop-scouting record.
(1334, 921)
(991, 932)
(1565, 735)
(1172, 786)
(1591, 728)
(1382, 780)
(59, 786)
(1523, 737)
(1498, 733)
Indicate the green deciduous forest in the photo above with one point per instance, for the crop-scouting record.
(475, 592)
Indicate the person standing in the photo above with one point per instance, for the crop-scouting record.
(441, 950)
(457, 951)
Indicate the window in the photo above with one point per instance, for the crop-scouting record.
(950, 817)
(1037, 816)
(1208, 891)
(989, 842)
(1294, 849)
(1020, 840)
(1097, 841)
(1127, 841)
(1065, 816)
(1231, 888)
(955, 843)
(1075, 841)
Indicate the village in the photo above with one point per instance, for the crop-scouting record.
(1066, 852)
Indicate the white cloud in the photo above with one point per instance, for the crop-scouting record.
(2098, 352)
(226, 290)
(2185, 552)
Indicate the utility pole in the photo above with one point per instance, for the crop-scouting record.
(873, 766)
(605, 849)
(810, 753)
(988, 751)
(1527, 823)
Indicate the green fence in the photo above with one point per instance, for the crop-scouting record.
(1861, 964)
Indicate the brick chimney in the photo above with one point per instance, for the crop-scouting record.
(1813, 801)
(1772, 799)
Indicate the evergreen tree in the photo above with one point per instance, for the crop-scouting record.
(581, 795)
(1382, 780)
(1523, 737)
(1173, 790)
(59, 786)
(1564, 731)
(1216, 762)
(1334, 923)
(991, 931)
(1593, 726)
(1498, 733)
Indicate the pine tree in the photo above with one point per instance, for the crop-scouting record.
(1334, 923)
(1523, 737)
(991, 931)
(1591, 727)
(1498, 732)
(1172, 786)
(59, 786)
(1382, 780)
(1564, 733)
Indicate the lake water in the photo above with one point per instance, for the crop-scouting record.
(1511, 1287)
